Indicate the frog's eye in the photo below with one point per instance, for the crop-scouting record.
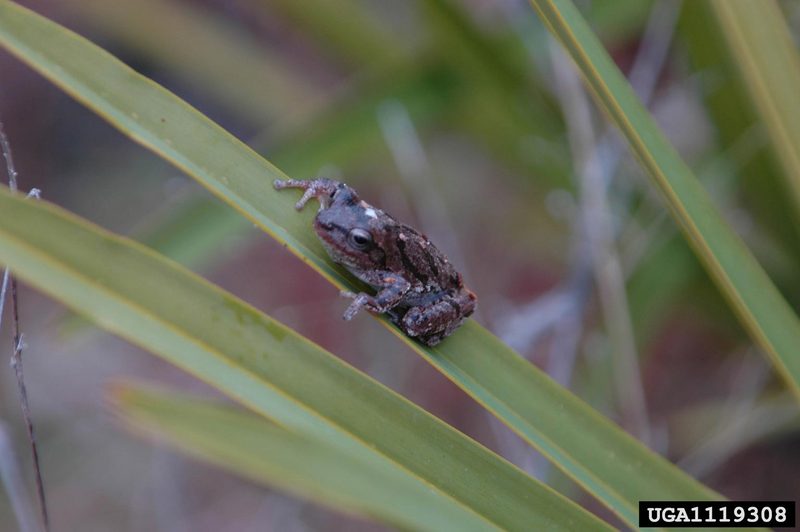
(359, 238)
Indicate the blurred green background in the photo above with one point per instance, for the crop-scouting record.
(456, 116)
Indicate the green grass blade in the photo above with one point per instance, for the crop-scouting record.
(611, 465)
(250, 446)
(756, 169)
(760, 307)
(761, 44)
(157, 304)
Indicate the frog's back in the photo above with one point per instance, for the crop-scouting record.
(416, 257)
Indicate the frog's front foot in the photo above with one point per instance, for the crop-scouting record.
(393, 287)
(359, 300)
(321, 188)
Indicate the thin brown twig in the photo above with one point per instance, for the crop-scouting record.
(16, 357)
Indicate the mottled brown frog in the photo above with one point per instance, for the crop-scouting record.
(416, 285)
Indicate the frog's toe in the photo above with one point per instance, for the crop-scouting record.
(359, 300)
(351, 312)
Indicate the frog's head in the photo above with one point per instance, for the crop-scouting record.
(350, 229)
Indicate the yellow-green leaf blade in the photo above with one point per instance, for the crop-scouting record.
(758, 174)
(249, 446)
(763, 49)
(595, 453)
(157, 304)
(758, 304)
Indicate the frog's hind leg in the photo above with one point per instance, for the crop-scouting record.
(431, 323)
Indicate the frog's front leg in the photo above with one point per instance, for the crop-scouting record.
(321, 188)
(436, 320)
(392, 289)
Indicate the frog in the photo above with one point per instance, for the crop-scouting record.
(415, 284)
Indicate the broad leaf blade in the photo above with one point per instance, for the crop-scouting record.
(157, 304)
(611, 465)
(250, 446)
(758, 304)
